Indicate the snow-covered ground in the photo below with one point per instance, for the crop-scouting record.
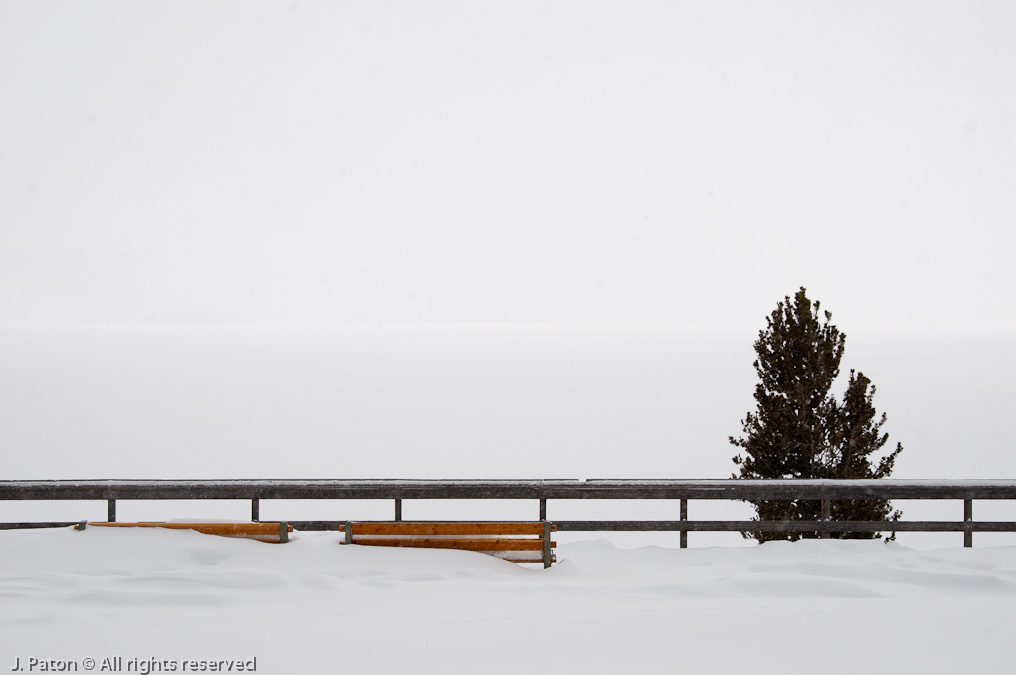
(313, 606)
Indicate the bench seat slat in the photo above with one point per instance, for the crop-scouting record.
(462, 544)
(515, 556)
(252, 530)
(436, 528)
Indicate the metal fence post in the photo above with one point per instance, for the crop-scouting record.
(548, 551)
(968, 516)
(826, 516)
(283, 532)
(684, 517)
(111, 510)
(255, 510)
(398, 509)
(543, 509)
(349, 532)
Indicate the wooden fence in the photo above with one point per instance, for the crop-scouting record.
(824, 491)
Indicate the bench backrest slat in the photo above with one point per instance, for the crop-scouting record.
(411, 528)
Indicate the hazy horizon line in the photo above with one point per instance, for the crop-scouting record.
(1000, 328)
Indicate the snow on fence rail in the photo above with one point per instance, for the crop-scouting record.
(825, 491)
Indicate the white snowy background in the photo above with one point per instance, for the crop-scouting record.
(470, 240)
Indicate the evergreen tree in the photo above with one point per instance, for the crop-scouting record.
(800, 430)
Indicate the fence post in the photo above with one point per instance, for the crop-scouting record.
(111, 510)
(349, 532)
(255, 510)
(968, 516)
(826, 516)
(684, 516)
(548, 551)
(543, 509)
(283, 532)
(398, 510)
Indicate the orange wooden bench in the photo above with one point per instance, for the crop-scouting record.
(273, 533)
(520, 542)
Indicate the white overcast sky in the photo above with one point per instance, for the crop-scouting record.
(280, 162)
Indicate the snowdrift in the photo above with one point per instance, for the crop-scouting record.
(164, 597)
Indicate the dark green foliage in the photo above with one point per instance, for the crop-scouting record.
(800, 430)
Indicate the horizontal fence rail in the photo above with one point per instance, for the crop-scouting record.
(507, 489)
(825, 491)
